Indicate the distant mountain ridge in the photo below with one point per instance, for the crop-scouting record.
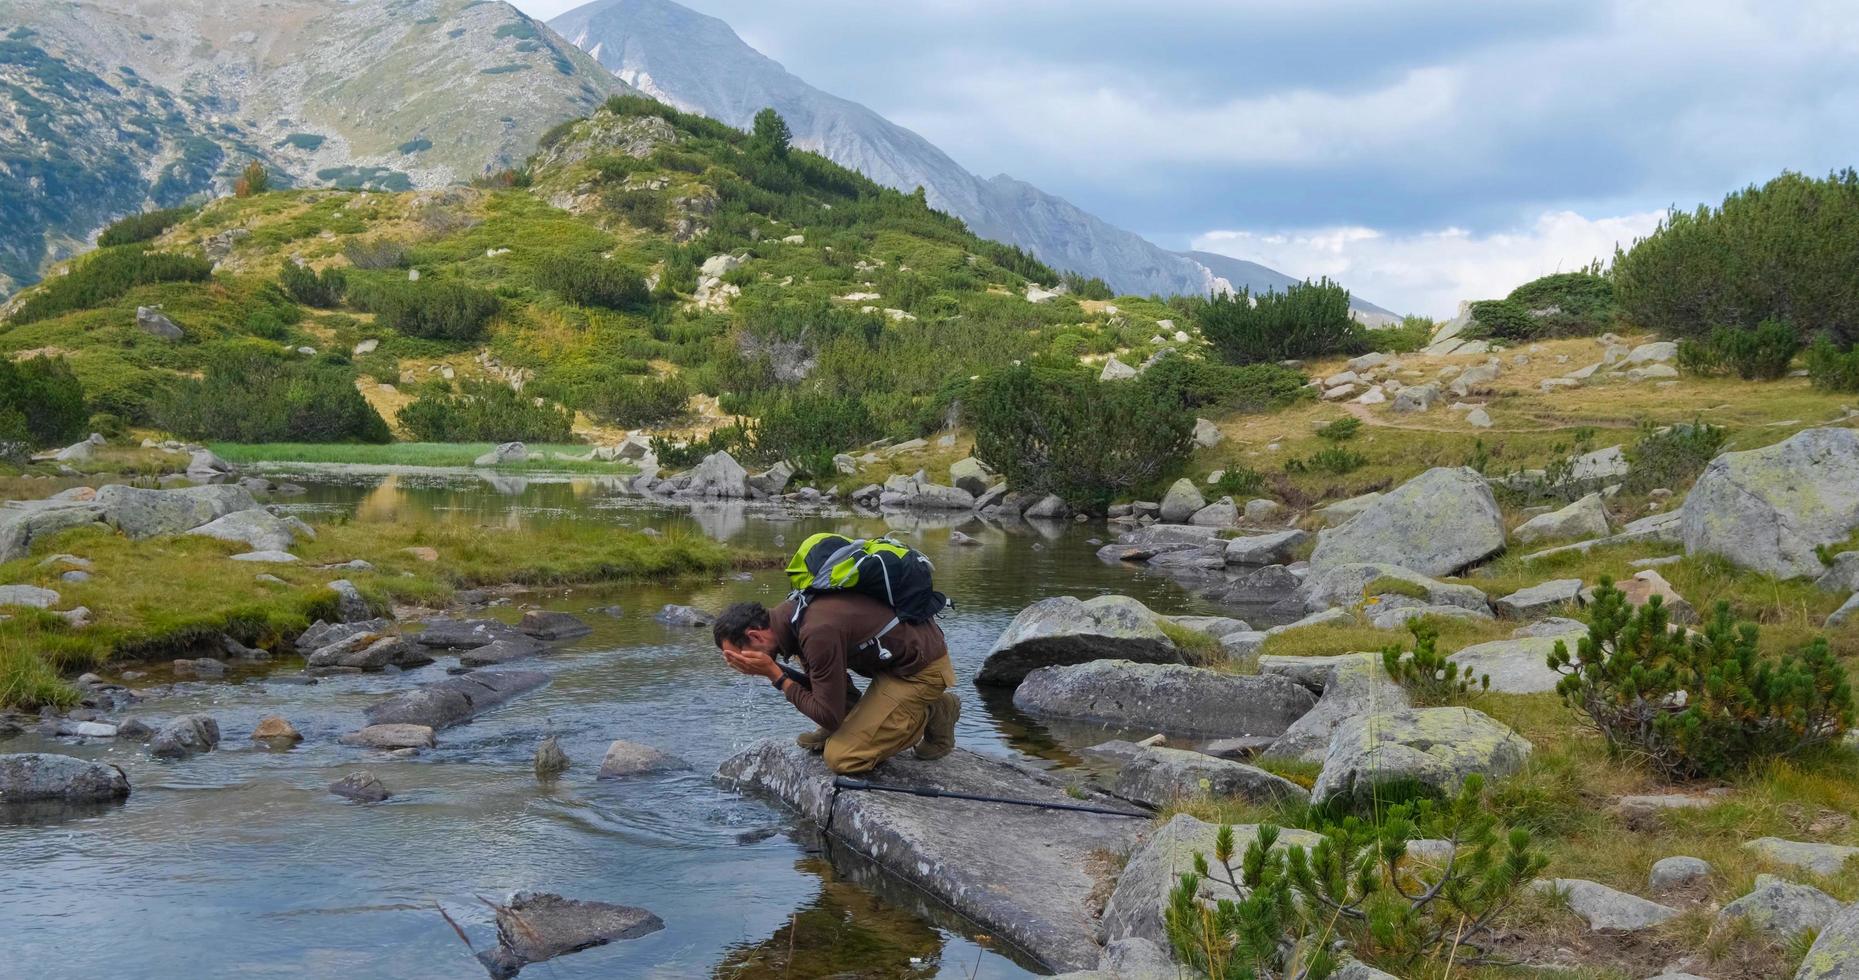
(111, 106)
(698, 63)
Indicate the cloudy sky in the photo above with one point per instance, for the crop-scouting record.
(1421, 151)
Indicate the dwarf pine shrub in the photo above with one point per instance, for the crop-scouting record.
(1425, 671)
(323, 290)
(484, 412)
(1700, 705)
(1305, 320)
(1762, 354)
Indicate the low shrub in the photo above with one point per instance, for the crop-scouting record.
(376, 253)
(1062, 431)
(41, 402)
(586, 281)
(322, 290)
(1340, 430)
(808, 428)
(1239, 481)
(257, 396)
(484, 412)
(1201, 384)
(1305, 320)
(1831, 368)
(1425, 672)
(1335, 460)
(430, 310)
(1671, 457)
(254, 179)
(1698, 705)
(143, 227)
(1413, 333)
(106, 275)
(640, 401)
(1762, 354)
(1086, 287)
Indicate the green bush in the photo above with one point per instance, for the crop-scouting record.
(809, 427)
(484, 412)
(1785, 250)
(1566, 304)
(41, 401)
(1306, 320)
(376, 253)
(1086, 287)
(1335, 460)
(1340, 430)
(1062, 431)
(1355, 890)
(105, 275)
(1426, 673)
(586, 281)
(1671, 457)
(305, 285)
(1703, 705)
(252, 396)
(1199, 384)
(107, 425)
(1239, 481)
(143, 227)
(430, 310)
(1831, 368)
(640, 401)
(1414, 333)
(1502, 318)
(1762, 354)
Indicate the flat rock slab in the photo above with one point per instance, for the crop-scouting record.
(1027, 875)
(502, 652)
(391, 737)
(545, 625)
(465, 634)
(1821, 859)
(1782, 908)
(1171, 698)
(1519, 666)
(533, 927)
(1160, 776)
(1136, 908)
(1066, 630)
(1352, 684)
(442, 704)
(1608, 909)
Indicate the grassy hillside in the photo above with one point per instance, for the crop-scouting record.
(593, 259)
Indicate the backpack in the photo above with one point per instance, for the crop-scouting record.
(892, 573)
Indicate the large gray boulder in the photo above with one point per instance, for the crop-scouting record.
(1835, 953)
(718, 475)
(1821, 859)
(149, 320)
(146, 513)
(36, 777)
(1515, 666)
(773, 480)
(22, 524)
(1608, 909)
(930, 496)
(1768, 509)
(1583, 519)
(1434, 524)
(1266, 549)
(970, 474)
(29, 596)
(1065, 630)
(1137, 907)
(185, 736)
(1350, 685)
(204, 465)
(1345, 586)
(507, 454)
(1160, 776)
(442, 704)
(1783, 909)
(258, 529)
(1435, 748)
(1181, 502)
(1028, 875)
(1171, 698)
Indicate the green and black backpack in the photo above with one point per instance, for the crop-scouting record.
(892, 573)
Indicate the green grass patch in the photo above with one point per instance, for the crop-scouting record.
(542, 457)
(1195, 646)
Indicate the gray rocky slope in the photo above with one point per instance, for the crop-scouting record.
(697, 62)
(108, 107)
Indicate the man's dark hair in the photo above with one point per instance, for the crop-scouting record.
(736, 622)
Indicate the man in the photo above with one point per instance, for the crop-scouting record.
(908, 702)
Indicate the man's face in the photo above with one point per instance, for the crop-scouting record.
(753, 641)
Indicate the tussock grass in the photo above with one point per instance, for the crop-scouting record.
(163, 597)
(543, 457)
(1196, 646)
(1455, 633)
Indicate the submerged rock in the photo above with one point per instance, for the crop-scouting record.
(502, 652)
(544, 624)
(185, 736)
(533, 927)
(1065, 630)
(464, 634)
(391, 737)
(690, 616)
(551, 761)
(1170, 698)
(39, 777)
(1028, 875)
(625, 759)
(362, 787)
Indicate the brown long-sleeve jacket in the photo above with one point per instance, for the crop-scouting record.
(832, 640)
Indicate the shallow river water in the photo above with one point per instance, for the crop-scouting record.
(239, 863)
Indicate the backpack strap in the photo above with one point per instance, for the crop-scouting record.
(878, 637)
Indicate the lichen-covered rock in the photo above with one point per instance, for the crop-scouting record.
(1220, 513)
(1678, 871)
(1835, 953)
(1027, 875)
(1347, 585)
(1515, 666)
(1768, 509)
(1138, 904)
(1065, 630)
(1266, 549)
(30, 596)
(1585, 518)
(1607, 909)
(718, 475)
(1351, 685)
(1782, 908)
(1158, 776)
(970, 474)
(258, 529)
(455, 699)
(1434, 524)
(1171, 698)
(1181, 502)
(1433, 747)
(1821, 859)
(1540, 598)
(146, 513)
(37, 777)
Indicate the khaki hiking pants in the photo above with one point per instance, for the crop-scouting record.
(888, 718)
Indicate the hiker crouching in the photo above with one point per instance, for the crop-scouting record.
(908, 702)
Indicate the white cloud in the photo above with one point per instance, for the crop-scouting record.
(1430, 272)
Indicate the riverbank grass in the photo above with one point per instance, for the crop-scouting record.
(551, 457)
(165, 597)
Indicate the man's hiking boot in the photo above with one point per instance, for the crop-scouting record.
(813, 741)
(939, 731)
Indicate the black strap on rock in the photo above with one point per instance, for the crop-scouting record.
(844, 782)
